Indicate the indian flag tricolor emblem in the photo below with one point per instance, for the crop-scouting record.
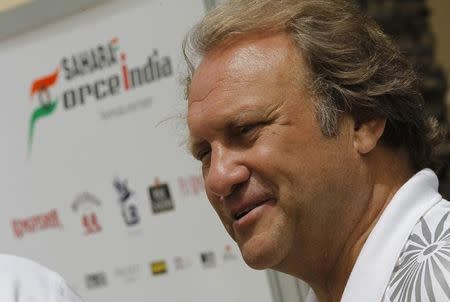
(47, 104)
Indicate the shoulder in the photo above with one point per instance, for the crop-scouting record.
(422, 272)
(23, 280)
(18, 268)
(17, 263)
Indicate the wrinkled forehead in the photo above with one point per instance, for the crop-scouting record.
(242, 60)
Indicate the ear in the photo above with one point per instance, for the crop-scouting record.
(367, 135)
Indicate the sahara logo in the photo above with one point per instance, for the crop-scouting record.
(88, 62)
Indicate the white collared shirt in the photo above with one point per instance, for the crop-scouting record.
(407, 255)
(22, 280)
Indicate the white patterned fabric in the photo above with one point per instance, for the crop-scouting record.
(406, 257)
(22, 280)
(422, 272)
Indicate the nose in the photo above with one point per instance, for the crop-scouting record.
(226, 171)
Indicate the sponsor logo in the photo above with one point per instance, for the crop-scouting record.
(160, 197)
(125, 109)
(47, 104)
(36, 223)
(182, 263)
(127, 202)
(208, 259)
(96, 280)
(158, 267)
(89, 62)
(229, 253)
(129, 273)
(191, 185)
(86, 205)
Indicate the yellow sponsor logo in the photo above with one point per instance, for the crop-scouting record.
(159, 267)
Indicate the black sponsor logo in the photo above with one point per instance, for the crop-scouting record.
(160, 197)
(127, 202)
(96, 280)
(208, 259)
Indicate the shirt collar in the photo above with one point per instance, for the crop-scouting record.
(376, 261)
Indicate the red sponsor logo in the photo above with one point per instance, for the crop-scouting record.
(36, 223)
(191, 185)
(86, 204)
(90, 223)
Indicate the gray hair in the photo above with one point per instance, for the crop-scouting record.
(354, 67)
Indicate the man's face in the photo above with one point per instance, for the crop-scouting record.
(275, 181)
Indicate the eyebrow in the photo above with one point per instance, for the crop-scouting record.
(248, 112)
(194, 144)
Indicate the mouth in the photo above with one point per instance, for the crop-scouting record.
(244, 212)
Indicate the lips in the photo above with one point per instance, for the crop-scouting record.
(245, 211)
(243, 208)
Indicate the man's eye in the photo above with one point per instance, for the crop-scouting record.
(248, 129)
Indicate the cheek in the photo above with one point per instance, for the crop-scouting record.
(299, 164)
(263, 153)
(279, 155)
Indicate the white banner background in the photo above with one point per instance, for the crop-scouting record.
(78, 150)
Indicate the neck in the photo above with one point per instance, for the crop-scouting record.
(387, 176)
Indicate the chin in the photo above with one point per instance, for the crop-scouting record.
(256, 263)
(260, 254)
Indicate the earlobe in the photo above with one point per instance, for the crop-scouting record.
(367, 134)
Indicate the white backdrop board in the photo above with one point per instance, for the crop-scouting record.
(94, 179)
